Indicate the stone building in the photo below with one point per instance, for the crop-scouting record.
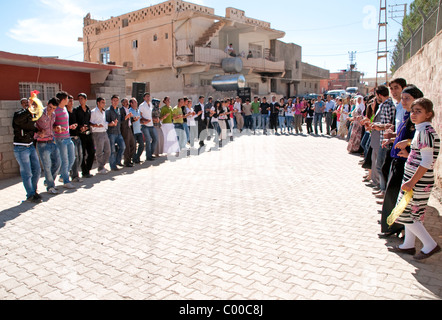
(176, 48)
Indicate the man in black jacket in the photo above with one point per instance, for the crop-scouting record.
(83, 116)
(26, 154)
(199, 110)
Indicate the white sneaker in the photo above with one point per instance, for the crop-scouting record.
(69, 186)
(104, 171)
(60, 179)
(52, 191)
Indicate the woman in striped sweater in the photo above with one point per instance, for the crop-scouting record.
(419, 178)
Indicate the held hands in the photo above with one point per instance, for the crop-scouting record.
(403, 153)
(386, 142)
(84, 129)
(60, 129)
(402, 145)
(74, 126)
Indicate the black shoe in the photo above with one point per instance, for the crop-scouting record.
(115, 169)
(386, 235)
(129, 165)
(120, 165)
(34, 199)
(423, 256)
(396, 249)
(87, 176)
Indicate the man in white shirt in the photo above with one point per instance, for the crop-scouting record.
(99, 134)
(147, 127)
(330, 106)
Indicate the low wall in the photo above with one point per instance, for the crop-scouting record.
(424, 70)
(8, 165)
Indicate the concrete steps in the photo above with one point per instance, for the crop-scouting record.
(210, 34)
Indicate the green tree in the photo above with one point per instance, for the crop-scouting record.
(411, 22)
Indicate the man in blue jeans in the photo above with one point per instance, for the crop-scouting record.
(113, 117)
(63, 139)
(47, 148)
(148, 128)
(25, 152)
(319, 111)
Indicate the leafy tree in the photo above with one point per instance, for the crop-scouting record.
(411, 22)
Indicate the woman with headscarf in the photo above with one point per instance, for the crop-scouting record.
(354, 143)
(406, 130)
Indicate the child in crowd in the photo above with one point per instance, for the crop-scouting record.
(419, 178)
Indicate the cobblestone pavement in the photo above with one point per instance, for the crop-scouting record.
(265, 218)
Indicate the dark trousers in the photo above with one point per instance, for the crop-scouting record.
(202, 131)
(130, 150)
(394, 185)
(309, 122)
(139, 139)
(87, 144)
(274, 121)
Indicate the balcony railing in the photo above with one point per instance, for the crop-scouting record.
(215, 56)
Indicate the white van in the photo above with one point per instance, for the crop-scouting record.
(335, 93)
(352, 90)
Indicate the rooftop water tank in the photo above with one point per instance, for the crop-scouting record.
(229, 82)
(232, 65)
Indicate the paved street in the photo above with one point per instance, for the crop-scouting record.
(265, 218)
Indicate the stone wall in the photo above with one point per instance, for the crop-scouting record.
(8, 165)
(424, 70)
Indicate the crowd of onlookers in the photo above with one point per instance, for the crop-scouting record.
(391, 129)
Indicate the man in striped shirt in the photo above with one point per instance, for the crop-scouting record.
(63, 139)
(386, 112)
(46, 146)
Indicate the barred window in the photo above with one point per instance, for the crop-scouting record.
(47, 90)
(104, 55)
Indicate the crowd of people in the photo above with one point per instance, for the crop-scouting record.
(393, 134)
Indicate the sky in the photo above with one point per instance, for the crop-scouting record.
(327, 30)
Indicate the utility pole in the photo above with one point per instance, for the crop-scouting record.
(382, 52)
(352, 55)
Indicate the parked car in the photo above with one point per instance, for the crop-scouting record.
(336, 93)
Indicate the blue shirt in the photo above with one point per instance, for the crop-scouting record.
(330, 106)
(136, 125)
(318, 106)
(400, 113)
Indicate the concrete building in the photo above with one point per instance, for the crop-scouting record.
(344, 79)
(176, 48)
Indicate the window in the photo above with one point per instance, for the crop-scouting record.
(134, 44)
(206, 82)
(105, 55)
(47, 90)
(256, 50)
(155, 37)
(125, 23)
(166, 36)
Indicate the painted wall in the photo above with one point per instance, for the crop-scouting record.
(70, 81)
